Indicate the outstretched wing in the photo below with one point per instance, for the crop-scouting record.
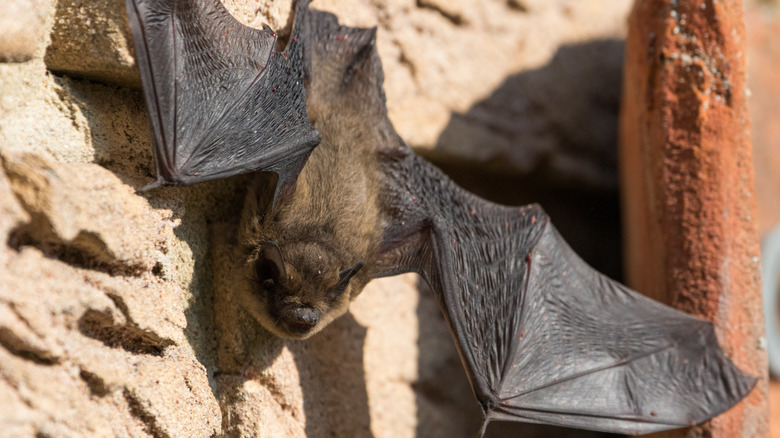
(618, 361)
(544, 337)
(221, 100)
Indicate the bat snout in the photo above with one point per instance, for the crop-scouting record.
(301, 320)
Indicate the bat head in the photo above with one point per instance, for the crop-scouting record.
(298, 297)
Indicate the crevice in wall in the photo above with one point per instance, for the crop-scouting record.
(18, 347)
(455, 19)
(148, 420)
(84, 251)
(97, 386)
(100, 326)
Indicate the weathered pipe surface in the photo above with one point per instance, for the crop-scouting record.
(687, 182)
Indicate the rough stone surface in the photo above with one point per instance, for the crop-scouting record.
(91, 39)
(687, 181)
(95, 339)
(73, 120)
(84, 212)
(555, 122)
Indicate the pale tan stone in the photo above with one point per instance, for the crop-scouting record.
(23, 24)
(277, 14)
(388, 310)
(87, 208)
(91, 38)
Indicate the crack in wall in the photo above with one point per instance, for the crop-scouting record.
(129, 337)
(96, 385)
(22, 347)
(454, 18)
(148, 420)
(518, 5)
(405, 61)
(18, 347)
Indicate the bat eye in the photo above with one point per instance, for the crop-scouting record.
(268, 284)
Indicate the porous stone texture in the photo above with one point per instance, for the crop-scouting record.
(91, 39)
(687, 182)
(116, 313)
(94, 329)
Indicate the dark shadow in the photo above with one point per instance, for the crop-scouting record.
(546, 136)
(549, 136)
(558, 122)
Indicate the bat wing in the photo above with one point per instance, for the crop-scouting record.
(221, 100)
(543, 336)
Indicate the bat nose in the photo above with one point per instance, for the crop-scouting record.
(302, 319)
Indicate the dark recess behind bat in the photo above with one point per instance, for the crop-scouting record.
(559, 123)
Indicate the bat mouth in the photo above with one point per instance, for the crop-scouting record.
(300, 321)
(298, 328)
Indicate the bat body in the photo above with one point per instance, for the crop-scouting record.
(329, 225)
(543, 337)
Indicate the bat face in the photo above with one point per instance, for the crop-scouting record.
(297, 298)
(311, 254)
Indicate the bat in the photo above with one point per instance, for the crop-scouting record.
(543, 337)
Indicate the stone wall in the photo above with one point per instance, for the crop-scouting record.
(115, 309)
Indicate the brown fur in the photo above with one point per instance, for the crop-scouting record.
(329, 223)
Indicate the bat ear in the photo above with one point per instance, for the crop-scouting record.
(270, 264)
(344, 277)
(347, 274)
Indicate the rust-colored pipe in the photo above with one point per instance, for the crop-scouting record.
(687, 183)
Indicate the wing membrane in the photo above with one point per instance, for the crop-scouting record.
(616, 360)
(221, 100)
